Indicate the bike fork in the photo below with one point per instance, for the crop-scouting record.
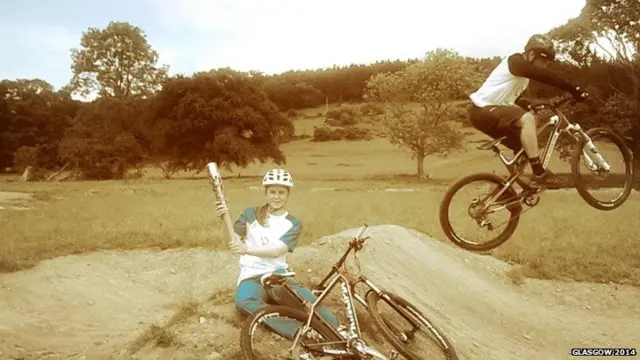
(589, 161)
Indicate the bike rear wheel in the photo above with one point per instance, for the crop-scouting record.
(469, 244)
(400, 338)
(616, 145)
(250, 346)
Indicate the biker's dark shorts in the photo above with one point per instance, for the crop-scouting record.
(498, 121)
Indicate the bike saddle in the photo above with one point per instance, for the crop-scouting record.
(271, 279)
(491, 143)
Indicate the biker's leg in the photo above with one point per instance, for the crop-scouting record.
(515, 119)
(483, 120)
(251, 296)
(488, 121)
(529, 139)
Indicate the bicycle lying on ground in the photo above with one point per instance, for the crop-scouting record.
(348, 344)
(504, 196)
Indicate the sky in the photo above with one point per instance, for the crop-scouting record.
(272, 36)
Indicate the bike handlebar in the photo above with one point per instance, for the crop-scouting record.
(363, 228)
(355, 244)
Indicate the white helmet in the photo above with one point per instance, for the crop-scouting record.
(277, 177)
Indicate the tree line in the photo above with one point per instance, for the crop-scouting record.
(142, 115)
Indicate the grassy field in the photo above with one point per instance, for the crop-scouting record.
(339, 185)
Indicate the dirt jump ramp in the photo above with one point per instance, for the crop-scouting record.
(97, 305)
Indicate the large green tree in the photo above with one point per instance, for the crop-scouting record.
(104, 140)
(33, 118)
(419, 103)
(308, 88)
(116, 61)
(603, 41)
(222, 116)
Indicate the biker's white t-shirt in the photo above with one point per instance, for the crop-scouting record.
(510, 79)
(283, 228)
(501, 87)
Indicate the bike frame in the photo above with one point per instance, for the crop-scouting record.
(559, 125)
(340, 276)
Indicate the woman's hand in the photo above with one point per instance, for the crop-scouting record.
(237, 246)
(221, 208)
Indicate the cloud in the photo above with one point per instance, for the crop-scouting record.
(36, 37)
(278, 35)
(36, 51)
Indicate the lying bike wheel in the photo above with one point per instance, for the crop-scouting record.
(259, 342)
(480, 221)
(616, 153)
(398, 320)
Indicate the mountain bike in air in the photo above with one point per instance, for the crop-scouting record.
(502, 197)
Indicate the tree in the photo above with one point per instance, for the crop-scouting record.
(606, 30)
(6, 146)
(117, 62)
(292, 95)
(32, 116)
(308, 88)
(222, 116)
(420, 100)
(103, 140)
(604, 41)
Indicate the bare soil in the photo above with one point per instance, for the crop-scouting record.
(121, 305)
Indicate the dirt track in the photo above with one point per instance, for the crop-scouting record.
(95, 306)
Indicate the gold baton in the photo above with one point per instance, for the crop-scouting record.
(216, 181)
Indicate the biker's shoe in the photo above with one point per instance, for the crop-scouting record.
(546, 180)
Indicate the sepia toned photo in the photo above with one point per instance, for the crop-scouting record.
(300, 179)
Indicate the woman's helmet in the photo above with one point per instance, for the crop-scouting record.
(277, 177)
(542, 45)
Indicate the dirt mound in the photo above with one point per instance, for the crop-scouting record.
(177, 304)
(103, 302)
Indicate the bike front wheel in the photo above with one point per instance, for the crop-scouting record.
(509, 207)
(605, 147)
(400, 324)
(258, 340)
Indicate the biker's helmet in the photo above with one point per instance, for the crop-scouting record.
(277, 177)
(542, 45)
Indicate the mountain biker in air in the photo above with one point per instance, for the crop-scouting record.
(498, 109)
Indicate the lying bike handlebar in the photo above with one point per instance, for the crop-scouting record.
(358, 240)
(355, 244)
(362, 230)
